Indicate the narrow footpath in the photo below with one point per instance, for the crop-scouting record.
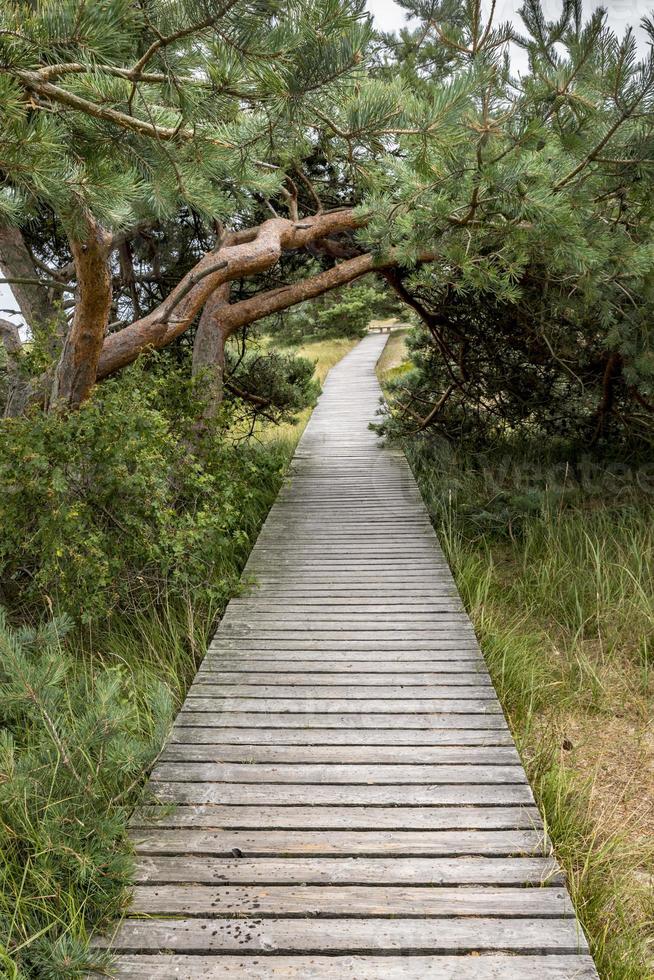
(349, 802)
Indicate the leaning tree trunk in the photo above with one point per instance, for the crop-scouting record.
(16, 264)
(19, 389)
(209, 350)
(76, 371)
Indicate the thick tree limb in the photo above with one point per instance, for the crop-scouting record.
(274, 300)
(248, 256)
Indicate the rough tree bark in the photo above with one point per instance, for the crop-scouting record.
(209, 350)
(76, 371)
(275, 300)
(89, 356)
(19, 389)
(247, 253)
(220, 320)
(16, 263)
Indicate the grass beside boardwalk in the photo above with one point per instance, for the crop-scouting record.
(556, 568)
(326, 353)
(393, 357)
(84, 712)
(559, 582)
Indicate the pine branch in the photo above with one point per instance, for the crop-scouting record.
(54, 93)
(594, 153)
(183, 32)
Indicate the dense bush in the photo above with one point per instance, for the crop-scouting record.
(483, 370)
(344, 312)
(269, 384)
(116, 505)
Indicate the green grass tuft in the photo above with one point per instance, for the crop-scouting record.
(558, 579)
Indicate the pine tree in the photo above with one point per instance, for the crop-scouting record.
(116, 115)
(227, 139)
(538, 309)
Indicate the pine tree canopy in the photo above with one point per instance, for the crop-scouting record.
(155, 153)
(132, 110)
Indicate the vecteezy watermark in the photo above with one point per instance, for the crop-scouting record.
(586, 473)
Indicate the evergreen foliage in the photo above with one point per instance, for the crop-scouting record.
(129, 110)
(106, 509)
(343, 312)
(534, 194)
(514, 211)
(283, 384)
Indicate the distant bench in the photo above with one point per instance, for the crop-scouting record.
(388, 327)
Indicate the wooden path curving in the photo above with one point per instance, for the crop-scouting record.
(349, 800)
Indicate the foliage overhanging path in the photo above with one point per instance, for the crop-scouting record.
(349, 800)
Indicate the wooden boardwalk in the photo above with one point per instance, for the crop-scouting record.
(349, 800)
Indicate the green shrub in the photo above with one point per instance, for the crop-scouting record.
(111, 507)
(345, 312)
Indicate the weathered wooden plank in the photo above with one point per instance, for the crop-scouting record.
(241, 676)
(287, 547)
(370, 566)
(306, 794)
(451, 935)
(277, 577)
(338, 622)
(343, 843)
(340, 817)
(206, 688)
(347, 967)
(352, 900)
(400, 542)
(439, 574)
(349, 871)
(440, 671)
(441, 587)
(462, 643)
(344, 754)
(349, 636)
(312, 719)
(337, 736)
(451, 657)
(335, 774)
(346, 605)
(344, 705)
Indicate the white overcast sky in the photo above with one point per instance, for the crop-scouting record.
(390, 17)
(622, 13)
